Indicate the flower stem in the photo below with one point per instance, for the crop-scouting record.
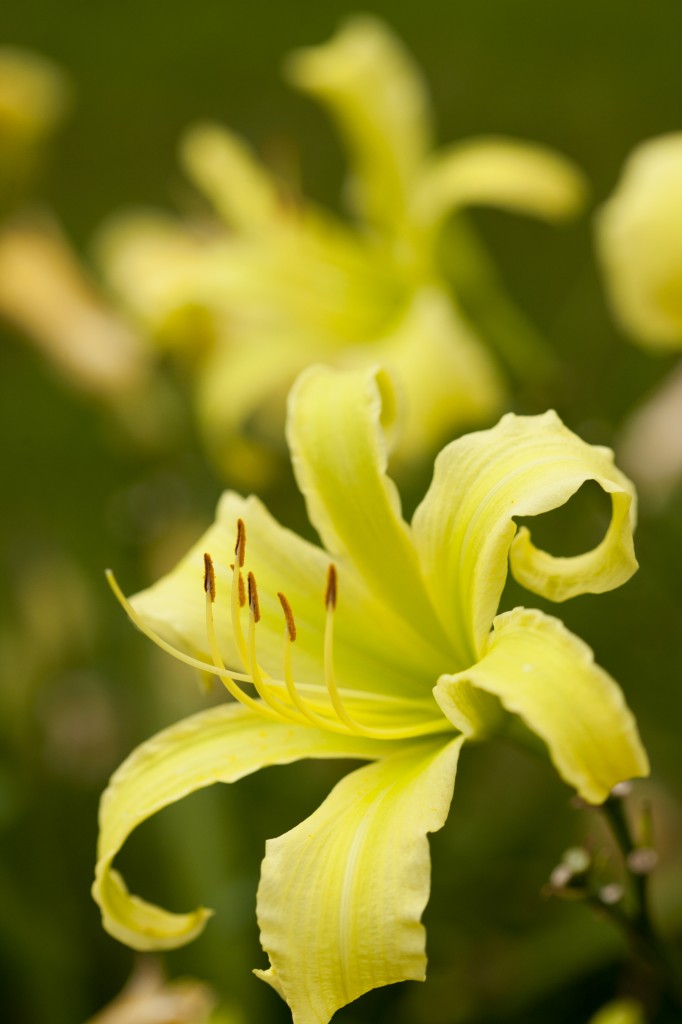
(636, 924)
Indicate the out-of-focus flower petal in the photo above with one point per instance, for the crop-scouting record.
(639, 240)
(496, 171)
(369, 82)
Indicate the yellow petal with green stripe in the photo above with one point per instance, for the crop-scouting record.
(540, 671)
(342, 894)
(220, 745)
(465, 531)
(337, 432)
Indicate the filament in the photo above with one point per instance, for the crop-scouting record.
(290, 706)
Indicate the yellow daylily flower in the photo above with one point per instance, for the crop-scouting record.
(383, 645)
(285, 284)
(639, 239)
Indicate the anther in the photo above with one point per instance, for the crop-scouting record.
(209, 577)
(253, 597)
(331, 588)
(288, 615)
(240, 546)
(240, 585)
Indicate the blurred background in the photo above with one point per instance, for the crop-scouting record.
(85, 489)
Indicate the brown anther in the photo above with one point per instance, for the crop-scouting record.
(240, 546)
(331, 588)
(242, 591)
(209, 577)
(288, 615)
(253, 597)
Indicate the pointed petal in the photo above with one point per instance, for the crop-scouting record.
(224, 168)
(497, 171)
(546, 675)
(336, 430)
(372, 649)
(371, 85)
(220, 745)
(341, 895)
(464, 528)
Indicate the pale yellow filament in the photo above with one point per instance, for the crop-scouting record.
(300, 711)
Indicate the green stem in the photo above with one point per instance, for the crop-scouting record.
(637, 924)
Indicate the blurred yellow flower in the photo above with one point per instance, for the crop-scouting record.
(283, 283)
(621, 1011)
(382, 645)
(33, 98)
(45, 293)
(149, 998)
(639, 236)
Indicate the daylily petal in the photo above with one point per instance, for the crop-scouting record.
(224, 168)
(220, 745)
(157, 265)
(639, 242)
(45, 291)
(446, 377)
(464, 528)
(546, 675)
(497, 171)
(370, 83)
(341, 895)
(336, 430)
(282, 561)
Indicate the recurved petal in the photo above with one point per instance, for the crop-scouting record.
(546, 675)
(497, 171)
(465, 532)
(337, 430)
(341, 895)
(220, 745)
(372, 87)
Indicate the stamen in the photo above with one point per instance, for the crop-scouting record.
(288, 616)
(238, 597)
(209, 576)
(242, 591)
(240, 546)
(230, 685)
(269, 706)
(330, 596)
(283, 710)
(380, 732)
(253, 597)
(289, 638)
(331, 588)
